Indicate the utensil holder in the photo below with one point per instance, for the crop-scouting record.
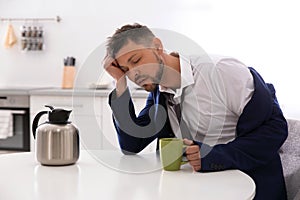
(68, 77)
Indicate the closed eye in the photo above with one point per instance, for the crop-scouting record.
(136, 60)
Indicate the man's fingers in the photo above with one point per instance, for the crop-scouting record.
(187, 141)
(195, 162)
(108, 61)
(192, 149)
(194, 156)
(197, 168)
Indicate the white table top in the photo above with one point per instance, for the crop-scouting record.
(110, 175)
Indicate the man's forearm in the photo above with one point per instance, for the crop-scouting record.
(134, 133)
(121, 86)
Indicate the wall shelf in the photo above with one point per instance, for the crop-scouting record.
(57, 19)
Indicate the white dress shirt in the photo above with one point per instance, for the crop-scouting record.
(214, 90)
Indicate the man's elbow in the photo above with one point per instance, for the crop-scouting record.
(125, 152)
(129, 150)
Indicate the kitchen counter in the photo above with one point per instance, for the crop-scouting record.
(25, 91)
(82, 92)
(110, 175)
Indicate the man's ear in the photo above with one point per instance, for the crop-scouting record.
(158, 45)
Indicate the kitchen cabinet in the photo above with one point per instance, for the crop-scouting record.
(90, 113)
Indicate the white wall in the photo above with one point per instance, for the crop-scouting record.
(263, 34)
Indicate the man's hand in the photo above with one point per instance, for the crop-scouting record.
(111, 66)
(193, 154)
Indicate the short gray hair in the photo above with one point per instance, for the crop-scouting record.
(137, 33)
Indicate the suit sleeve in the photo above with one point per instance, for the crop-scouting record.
(261, 130)
(135, 132)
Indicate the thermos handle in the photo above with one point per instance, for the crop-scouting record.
(36, 121)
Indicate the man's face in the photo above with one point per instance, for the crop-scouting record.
(141, 65)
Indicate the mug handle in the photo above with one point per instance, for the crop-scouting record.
(184, 158)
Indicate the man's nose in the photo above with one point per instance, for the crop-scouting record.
(134, 73)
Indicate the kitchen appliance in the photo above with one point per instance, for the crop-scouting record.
(14, 120)
(57, 140)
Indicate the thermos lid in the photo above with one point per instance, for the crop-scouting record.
(58, 115)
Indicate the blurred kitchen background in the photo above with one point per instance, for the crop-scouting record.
(262, 34)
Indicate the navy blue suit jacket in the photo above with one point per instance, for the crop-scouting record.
(261, 130)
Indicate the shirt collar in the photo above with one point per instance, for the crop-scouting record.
(186, 74)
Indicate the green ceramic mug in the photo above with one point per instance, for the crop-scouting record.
(171, 153)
